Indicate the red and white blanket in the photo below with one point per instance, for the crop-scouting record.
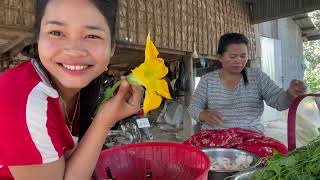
(248, 140)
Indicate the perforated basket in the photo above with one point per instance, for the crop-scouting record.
(155, 160)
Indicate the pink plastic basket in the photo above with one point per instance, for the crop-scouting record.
(292, 120)
(153, 160)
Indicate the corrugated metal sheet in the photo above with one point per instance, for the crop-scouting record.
(266, 10)
(308, 29)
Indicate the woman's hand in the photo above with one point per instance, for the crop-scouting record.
(211, 117)
(125, 103)
(295, 89)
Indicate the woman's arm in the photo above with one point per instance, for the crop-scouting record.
(273, 95)
(49, 171)
(81, 164)
(277, 97)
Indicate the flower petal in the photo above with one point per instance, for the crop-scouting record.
(163, 89)
(151, 51)
(160, 69)
(151, 101)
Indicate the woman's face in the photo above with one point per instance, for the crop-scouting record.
(235, 58)
(74, 42)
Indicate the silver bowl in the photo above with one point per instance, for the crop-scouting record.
(232, 154)
(244, 175)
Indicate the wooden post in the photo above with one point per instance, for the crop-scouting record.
(187, 122)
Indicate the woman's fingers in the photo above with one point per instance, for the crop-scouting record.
(123, 90)
(215, 118)
(298, 87)
(135, 98)
(211, 117)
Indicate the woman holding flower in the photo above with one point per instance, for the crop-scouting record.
(47, 102)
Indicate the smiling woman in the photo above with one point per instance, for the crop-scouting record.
(47, 103)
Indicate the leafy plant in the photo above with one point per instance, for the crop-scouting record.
(312, 55)
(302, 163)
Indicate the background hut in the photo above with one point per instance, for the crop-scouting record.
(180, 26)
(177, 27)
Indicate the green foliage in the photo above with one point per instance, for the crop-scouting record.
(312, 55)
(302, 163)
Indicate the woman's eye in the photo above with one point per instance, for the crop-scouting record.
(93, 37)
(56, 33)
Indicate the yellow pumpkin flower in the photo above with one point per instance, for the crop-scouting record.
(150, 74)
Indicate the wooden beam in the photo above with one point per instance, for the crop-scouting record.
(121, 67)
(17, 49)
(313, 38)
(12, 44)
(123, 45)
(300, 18)
(308, 28)
(24, 29)
(135, 55)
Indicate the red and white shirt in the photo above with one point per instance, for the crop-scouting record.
(33, 130)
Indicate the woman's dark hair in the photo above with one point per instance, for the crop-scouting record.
(89, 96)
(108, 8)
(233, 38)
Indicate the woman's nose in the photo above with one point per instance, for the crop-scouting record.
(237, 60)
(75, 49)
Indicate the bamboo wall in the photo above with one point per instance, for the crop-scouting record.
(16, 22)
(176, 26)
(17, 14)
(181, 25)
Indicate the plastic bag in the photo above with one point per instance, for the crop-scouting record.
(307, 123)
(172, 114)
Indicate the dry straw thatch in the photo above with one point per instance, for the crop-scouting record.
(17, 14)
(16, 22)
(177, 26)
(181, 25)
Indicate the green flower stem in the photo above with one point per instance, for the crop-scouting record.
(132, 79)
(108, 94)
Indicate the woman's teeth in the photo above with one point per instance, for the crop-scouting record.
(74, 68)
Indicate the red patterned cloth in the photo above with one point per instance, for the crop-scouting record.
(248, 140)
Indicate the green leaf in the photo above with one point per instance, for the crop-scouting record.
(268, 174)
(287, 161)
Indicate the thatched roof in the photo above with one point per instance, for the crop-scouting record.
(179, 26)
(16, 22)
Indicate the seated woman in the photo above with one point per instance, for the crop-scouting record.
(233, 95)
